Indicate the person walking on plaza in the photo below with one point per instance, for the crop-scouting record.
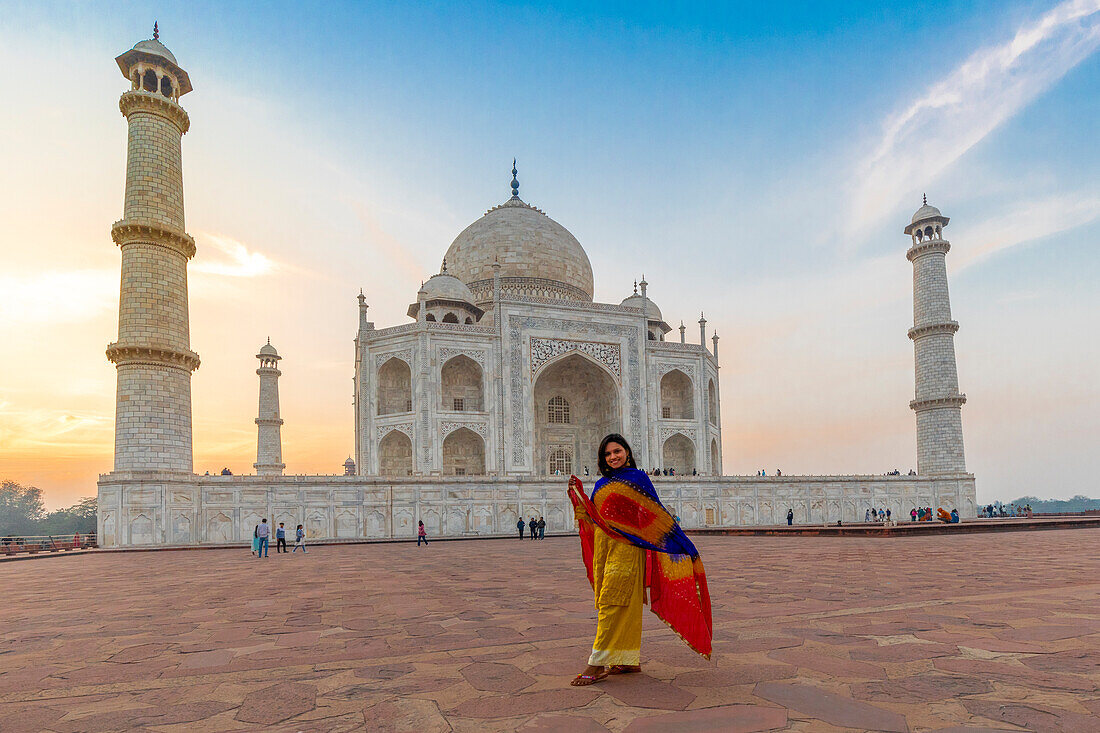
(255, 539)
(280, 539)
(867, 516)
(881, 515)
(263, 532)
(790, 517)
(520, 525)
(534, 527)
(542, 528)
(624, 529)
(299, 539)
(913, 515)
(887, 515)
(421, 534)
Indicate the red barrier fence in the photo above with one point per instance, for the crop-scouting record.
(12, 545)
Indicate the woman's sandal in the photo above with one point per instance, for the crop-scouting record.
(624, 669)
(583, 680)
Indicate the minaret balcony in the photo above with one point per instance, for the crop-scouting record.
(121, 354)
(927, 247)
(127, 231)
(137, 100)
(957, 400)
(917, 332)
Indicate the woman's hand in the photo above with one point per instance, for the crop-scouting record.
(574, 483)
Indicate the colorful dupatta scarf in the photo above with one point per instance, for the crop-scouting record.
(627, 508)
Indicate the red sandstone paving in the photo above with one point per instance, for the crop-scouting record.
(811, 634)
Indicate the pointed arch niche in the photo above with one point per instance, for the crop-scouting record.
(576, 405)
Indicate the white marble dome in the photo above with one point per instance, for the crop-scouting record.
(446, 286)
(537, 255)
(925, 212)
(154, 46)
(653, 313)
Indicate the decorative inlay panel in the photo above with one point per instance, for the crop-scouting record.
(446, 428)
(543, 350)
(446, 353)
(688, 433)
(661, 369)
(404, 427)
(405, 355)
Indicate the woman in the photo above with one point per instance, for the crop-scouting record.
(630, 542)
(421, 534)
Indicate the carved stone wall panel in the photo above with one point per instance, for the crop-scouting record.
(688, 433)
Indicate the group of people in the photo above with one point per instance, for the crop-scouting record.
(877, 515)
(1001, 510)
(537, 528)
(762, 472)
(261, 538)
(669, 472)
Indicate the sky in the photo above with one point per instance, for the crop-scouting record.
(757, 163)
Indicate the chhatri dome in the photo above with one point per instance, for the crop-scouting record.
(537, 255)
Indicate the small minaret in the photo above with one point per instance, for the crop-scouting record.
(269, 440)
(702, 331)
(349, 467)
(938, 403)
(714, 340)
(683, 329)
(153, 355)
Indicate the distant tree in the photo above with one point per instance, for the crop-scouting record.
(80, 517)
(21, 509)
(1078, 503)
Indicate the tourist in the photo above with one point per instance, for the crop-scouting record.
(586, 471)
(694, 473)
(615, 556)
(778, 472)
(421, 534)
(520, 525)
(263, 531)
(533, 526)
(866, 516)
(542, 528)
(887, 514)
(280, 539)
(299, 539)
(790, 517)
(913, 515)
(881, 515)
(255, 539)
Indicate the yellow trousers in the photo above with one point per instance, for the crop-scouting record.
(618, 571)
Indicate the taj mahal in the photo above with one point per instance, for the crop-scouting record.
(474, 412)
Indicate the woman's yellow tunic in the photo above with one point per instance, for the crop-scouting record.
(618, 571)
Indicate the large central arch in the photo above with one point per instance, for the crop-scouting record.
(576, 405)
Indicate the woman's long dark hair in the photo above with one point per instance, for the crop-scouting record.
(601, 462)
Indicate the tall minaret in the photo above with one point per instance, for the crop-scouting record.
(269, 439)
(938, 403)
(153, 353)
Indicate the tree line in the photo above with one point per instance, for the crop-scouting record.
(23, 513)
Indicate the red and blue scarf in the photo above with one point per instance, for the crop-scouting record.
(626, 507)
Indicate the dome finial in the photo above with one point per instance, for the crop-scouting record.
(635, 287)
(924, 197)
(156, 31)
(515, 181)
(444, 270)
(269, 341)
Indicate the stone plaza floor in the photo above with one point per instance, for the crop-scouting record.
(947, 632)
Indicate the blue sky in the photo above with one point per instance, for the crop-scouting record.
(756, 162)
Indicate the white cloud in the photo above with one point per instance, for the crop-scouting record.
(1026, 221)
(230, 258)
(53, 296)
(920, 141)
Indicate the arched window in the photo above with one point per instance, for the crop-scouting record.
(149, 82)
(928, 232)
(557, 411)
(429, 317)
(450, 318)
(166, 86)
(469, 320)
(561, 462)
